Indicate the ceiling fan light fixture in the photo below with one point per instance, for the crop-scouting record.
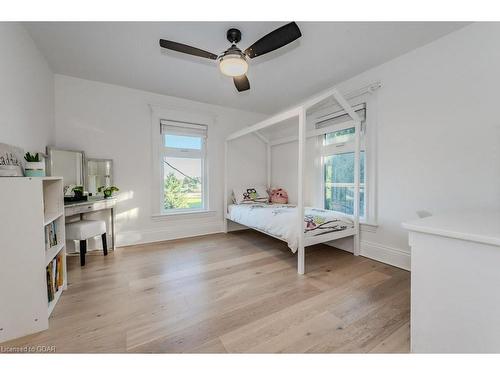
(233, 65)
(233, 61)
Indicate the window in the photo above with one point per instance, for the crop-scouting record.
(338, 164)
(339, 183)
(183, 167)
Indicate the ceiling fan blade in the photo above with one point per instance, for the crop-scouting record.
(241, 83)
(179, 47)
(274, 40)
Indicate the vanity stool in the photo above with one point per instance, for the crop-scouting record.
(85, 229)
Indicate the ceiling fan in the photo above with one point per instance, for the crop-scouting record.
(233, 61)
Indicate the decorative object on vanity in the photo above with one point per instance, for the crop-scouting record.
(74, 193)
(34, 167)
(233, 61)
(73, 199)
(11, 161)
(78, 191)
(107, 191)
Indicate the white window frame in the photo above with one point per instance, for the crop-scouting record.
(159, 113)
(368, 144)
(337, 149)
(184, 153)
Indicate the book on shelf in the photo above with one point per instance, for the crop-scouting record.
(55, 277)
(60, 280)
(50, 235)
(50, 292)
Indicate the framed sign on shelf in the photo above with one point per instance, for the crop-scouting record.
(11, 161)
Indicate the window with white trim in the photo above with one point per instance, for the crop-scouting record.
(183, 167)
(337, 161)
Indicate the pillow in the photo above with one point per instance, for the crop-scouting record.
(250, 194)
(278, 196)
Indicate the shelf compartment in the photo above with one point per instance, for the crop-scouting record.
(52, 193)
(53, 303)
(52, 252)
(51, 216)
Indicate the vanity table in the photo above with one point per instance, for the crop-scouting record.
(90, 173)
(93, 205)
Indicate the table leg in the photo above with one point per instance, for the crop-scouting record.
(113, 228)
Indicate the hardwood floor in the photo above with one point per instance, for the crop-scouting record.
(233, 293)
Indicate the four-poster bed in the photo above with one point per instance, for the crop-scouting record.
(299, 112)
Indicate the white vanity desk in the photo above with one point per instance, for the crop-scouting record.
(93, 205)
(455, 283)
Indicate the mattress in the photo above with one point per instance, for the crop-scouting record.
(280, 220)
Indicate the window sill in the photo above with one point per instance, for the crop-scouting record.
(180, 214)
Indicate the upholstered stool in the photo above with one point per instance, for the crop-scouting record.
(85, 229)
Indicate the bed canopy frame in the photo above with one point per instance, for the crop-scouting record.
(300, 111)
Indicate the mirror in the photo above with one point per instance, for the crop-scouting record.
(99, 173)
(68, 164)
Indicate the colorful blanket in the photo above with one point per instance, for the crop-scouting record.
(280, 220)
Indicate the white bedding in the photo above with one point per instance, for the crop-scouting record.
(281, 220)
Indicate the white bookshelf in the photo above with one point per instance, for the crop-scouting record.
(28, 204)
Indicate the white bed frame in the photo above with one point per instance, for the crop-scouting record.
(300, 112)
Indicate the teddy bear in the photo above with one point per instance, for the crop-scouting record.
(279, 196)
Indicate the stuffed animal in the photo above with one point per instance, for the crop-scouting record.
(279, 196)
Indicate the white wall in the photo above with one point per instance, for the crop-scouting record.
(246, 166)
(284, 160)
(26, 91)
(438, 134)
(247, 162)
(108, 121)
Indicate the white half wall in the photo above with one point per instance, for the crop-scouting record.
(438, 135)
(108, 121)
(26, 91)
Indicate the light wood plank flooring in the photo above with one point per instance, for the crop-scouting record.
(233, 293)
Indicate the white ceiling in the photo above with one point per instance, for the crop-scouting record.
(128, 54)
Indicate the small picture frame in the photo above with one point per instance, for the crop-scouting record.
(11, 161)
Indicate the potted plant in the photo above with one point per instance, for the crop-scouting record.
(107, 190)
(34, 167)
(78, 191)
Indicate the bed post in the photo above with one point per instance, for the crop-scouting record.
(269, 161)
(300, 191)
(224, 214)
(357, 151)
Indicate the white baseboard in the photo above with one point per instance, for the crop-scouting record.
(385, 254)
(137, 237)
(390, 255)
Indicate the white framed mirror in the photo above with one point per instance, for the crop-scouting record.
(68, 164)
(99, 172)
